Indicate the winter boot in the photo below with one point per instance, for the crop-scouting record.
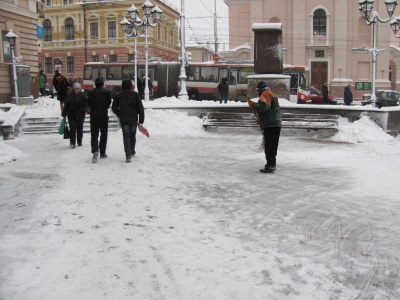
(268, 169)
(95, 156)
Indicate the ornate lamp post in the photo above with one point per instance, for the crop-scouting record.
(372, 18)
(11, 37)
(135, 22)
(183, 93)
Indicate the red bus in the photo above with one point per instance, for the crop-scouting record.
(202, 78)
(299, 83)
(163, 75)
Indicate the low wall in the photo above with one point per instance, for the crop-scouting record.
(387, 118)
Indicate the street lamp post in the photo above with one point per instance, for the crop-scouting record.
(372, 18)
(11, 37)
(132, 30)
(149, 11)
(183, 93)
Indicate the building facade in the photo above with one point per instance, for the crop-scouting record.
(76, 32)
(328, 36)
(21, 16)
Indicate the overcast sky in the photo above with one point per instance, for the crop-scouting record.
(200, 21)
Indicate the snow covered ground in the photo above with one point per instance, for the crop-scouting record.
(192, 218)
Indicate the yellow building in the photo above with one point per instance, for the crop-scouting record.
(76, 32)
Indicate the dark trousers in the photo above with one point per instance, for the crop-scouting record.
(99, 125)
(271, 141)
(76, 129)
(129, 137)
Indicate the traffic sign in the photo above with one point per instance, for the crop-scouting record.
(216, 57)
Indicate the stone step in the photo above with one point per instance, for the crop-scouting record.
(50, 125)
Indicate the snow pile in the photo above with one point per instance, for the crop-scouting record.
(363, 130)
(8, 153)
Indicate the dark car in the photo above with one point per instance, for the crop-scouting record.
(49, 90)
(383, 98)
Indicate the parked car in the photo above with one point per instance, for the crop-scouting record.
(317, 98)
(49, 90)
(383, 98)
(366, 99)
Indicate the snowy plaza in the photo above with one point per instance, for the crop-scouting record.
(191, 217)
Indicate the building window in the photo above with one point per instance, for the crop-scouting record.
(131, 57)
(112, 30)
(319, 22)
(165, 34)
(319, 53)
(95, 58)
(48, 2)
(171, 34)
(69, 29)
(159, 31)
(112, 57)
(48, 66)
(70, 64)
(94, 31)
(66, 2)
(47, 30)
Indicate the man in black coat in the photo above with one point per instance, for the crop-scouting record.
(129, 109)
(99, 101)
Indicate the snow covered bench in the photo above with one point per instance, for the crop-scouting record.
(289, 120)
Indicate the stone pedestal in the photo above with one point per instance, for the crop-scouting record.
(279, 84)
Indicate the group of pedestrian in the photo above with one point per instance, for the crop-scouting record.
(127, 106)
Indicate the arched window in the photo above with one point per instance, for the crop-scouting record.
(319, 22)
(47, 31)
(69, 29)
(171, 39)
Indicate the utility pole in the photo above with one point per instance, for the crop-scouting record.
(215, 27)
(183, 93)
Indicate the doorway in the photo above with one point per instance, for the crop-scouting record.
(319, 73)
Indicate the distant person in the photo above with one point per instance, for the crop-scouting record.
(325, 94)
(269, 120)
(76, 107)
(71, 80)
(42, 83)
(128, 107)
(60, 83)
(348, 95)
(99, 101)
(223, 89)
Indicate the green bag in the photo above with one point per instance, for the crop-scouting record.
(62, 126)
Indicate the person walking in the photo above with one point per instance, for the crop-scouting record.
(348, 95)
(76, 107)
(60, 83)
(42, 83)
(270, 121)
(325, 93)
(99, 101)
(128, 107)
(223, 88)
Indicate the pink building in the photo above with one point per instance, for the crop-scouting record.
(327, 36)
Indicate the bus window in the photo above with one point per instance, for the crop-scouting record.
(88, 73)
(233, 76)
(209, 73)
(294, 83)
(223, 73)
(114, 73)
(243, 75)
(128, 72)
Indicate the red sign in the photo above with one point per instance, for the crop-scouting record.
(216, 57)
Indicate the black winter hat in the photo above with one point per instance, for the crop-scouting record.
(99, 81)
